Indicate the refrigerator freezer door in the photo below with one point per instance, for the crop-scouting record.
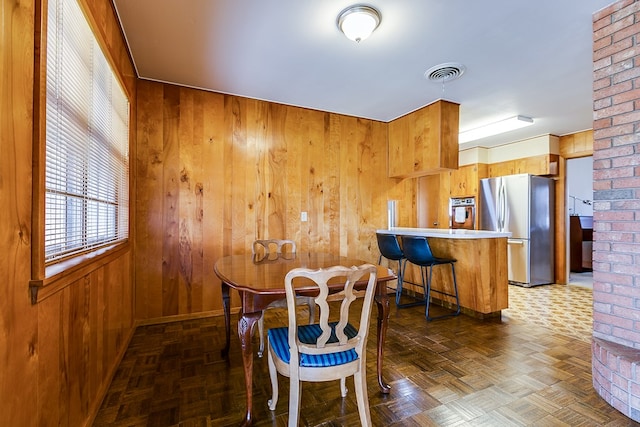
(489, 213)
(518, 256)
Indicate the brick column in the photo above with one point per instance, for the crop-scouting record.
(616, 176)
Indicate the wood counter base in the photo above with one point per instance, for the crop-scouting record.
(467, 311)
(481, 272)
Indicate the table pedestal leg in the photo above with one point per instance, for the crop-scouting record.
(245, 327)
(227, 319)
(382, 301)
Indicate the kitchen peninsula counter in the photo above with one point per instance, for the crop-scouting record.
(445, 233)
(481, 267)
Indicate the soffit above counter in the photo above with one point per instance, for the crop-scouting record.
(540, 145)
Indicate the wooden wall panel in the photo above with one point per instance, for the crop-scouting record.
(18, 320)
(149, 199)
(52, 369)
(321, 156)
(278, 180)
(59, 354)
(169, 234)
(260, 165)
(213, 178)
(333, 131)
(83, 332)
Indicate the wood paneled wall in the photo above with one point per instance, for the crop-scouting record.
(215, 172)
(59, 354)
(18, 319)
(83, 331)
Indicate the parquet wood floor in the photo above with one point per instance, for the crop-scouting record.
(531, 367)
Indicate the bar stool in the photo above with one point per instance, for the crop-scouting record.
(417, 251)
(390, 249)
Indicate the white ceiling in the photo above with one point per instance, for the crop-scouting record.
(532, 58)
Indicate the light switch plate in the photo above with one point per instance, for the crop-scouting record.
(303, 216)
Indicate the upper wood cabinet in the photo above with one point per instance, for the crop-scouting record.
(424, 142)
(464, 182)
(544, 164)
(578, 144)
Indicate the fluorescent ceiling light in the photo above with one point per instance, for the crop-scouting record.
(502, 126)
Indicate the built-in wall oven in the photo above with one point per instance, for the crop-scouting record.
(462, 212)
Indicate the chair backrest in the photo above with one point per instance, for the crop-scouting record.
(389, 246)
(417, 250)
(344, 337)
(278, 245)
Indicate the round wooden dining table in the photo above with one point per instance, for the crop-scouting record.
(260, 280)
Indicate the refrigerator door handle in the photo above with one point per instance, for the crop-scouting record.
(499, 206)
(502, 205)
(515, 242)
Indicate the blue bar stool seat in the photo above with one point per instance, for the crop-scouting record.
(391, 250)
(417, 251)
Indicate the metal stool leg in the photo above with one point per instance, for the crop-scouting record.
(400, 281)
(401, 268)
(455, 294)
(399, 291)
(429, 292)
(455, 288)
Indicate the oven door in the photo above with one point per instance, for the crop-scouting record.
(463, 217)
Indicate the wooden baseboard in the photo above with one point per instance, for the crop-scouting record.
(181, 317)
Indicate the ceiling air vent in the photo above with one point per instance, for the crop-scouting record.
(444, 72)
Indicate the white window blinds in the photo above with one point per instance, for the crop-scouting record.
(87, 140)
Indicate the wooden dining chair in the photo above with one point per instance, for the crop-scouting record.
(276, 246)
(328, 350)
(266, 247)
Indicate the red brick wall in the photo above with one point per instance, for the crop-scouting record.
(616, 175)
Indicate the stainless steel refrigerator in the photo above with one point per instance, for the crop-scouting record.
(523, 205)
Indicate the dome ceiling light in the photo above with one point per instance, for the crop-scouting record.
(358, 22)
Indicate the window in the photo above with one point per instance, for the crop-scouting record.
(87, 140)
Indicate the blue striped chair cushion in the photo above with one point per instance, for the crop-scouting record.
(308, 334)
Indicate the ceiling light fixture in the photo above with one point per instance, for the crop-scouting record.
(358, 22)
(496, 128)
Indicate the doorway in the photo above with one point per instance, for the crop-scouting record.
(579, 203)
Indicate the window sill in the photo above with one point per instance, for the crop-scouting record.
(60, 275)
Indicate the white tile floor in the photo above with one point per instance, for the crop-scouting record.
(567, 310)
(584, 279)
